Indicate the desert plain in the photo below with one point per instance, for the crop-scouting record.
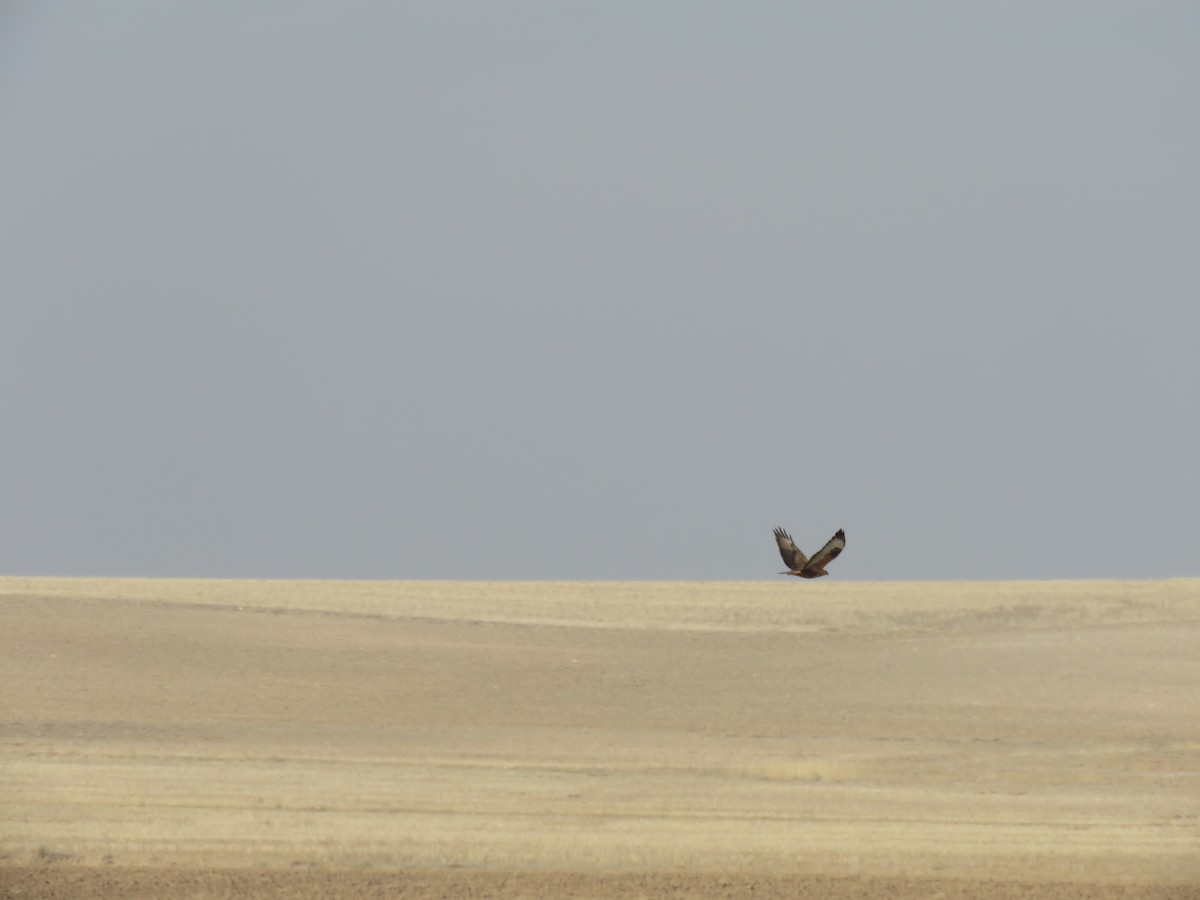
(203, 738)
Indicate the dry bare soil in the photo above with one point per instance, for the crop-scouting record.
(353, 739)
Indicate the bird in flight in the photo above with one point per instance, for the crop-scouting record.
(800, 565)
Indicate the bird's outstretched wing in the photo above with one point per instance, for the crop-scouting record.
(792, 557)
(830, 551)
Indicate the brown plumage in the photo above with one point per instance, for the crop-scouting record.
(800, 565)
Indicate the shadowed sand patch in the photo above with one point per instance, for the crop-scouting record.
(60, 882)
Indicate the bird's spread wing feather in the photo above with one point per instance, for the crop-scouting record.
(792, 557)
(830, 551)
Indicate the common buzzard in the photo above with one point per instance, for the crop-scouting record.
(800, 565)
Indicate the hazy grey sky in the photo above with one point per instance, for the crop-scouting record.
(600, 290)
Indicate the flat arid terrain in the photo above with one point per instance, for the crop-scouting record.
(190, 738)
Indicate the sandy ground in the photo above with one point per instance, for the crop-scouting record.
(322, 739)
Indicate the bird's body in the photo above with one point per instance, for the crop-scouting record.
(800, 565)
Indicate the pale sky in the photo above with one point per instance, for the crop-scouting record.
(479, 290)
